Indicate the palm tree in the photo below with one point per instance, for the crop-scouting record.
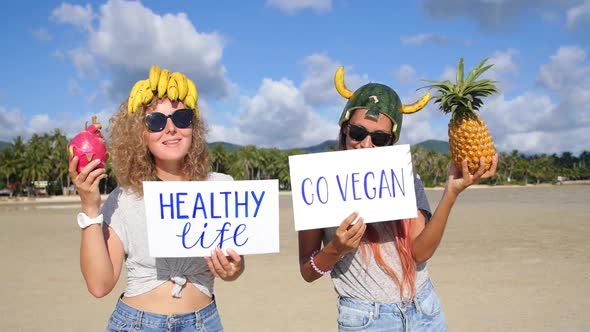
(8, 163)
(242, 167)
(17, 162)
(219, 157)
(59, 156)
(37, 165)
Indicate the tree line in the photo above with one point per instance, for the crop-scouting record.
(23, 164)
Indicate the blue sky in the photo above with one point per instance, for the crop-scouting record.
(264, 69)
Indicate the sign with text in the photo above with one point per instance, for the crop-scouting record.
(327, 187)
(191, 218)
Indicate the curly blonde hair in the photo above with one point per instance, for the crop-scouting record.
(132, 161)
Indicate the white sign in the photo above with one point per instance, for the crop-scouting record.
(191, 218)
(327, 187)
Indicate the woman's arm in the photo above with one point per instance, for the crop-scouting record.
(346, 239)
(427, 236)
(101, 251)
(101, 259)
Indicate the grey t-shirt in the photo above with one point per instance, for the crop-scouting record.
(363, 278)
(124, 212)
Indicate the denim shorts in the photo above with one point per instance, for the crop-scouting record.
(424, 313)
(126, 318)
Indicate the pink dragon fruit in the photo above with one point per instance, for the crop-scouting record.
(88, 145)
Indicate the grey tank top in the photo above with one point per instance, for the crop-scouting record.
(363, 278)
(124, 212)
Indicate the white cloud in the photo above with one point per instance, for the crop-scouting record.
(568, 75)
(277, 116)
(426, 124)
(534, 123)
(494, 15)
(424, 38)
(129, 38)
(317, 86)
(546, 142)
(578, 15)
(318, 83)
(219, 133)
(84, 62)
(503, 63)
(565, 69)
(291, 7)
(528, 112)
(504, 68)
(13, 123)
(133, 38)
(73, 14)
(39, 123)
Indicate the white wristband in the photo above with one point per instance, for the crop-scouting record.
(85, 221)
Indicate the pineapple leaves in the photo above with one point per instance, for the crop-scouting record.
(463, 96)
(459, 78)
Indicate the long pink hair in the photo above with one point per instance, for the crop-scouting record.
(403, 242)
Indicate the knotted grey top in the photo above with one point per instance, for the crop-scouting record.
(124, 212)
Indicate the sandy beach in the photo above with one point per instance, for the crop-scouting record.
(512, 259)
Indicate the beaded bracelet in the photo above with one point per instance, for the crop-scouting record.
(314, 267)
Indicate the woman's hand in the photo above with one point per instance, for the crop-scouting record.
(459, 180)
(227, 268)
(86, 183)
(348, 237)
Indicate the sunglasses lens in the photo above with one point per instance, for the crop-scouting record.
(380, 139)
(357, 133)
(155, 121)
(182, 118)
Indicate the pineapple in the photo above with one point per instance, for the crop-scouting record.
(469, 137)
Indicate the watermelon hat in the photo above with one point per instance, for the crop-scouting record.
(376, 98)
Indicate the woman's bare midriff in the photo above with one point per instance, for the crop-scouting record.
(161, 301)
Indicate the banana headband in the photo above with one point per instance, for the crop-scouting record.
(376, 98)
(161, 83)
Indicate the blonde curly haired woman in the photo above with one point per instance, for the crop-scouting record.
(156, 134)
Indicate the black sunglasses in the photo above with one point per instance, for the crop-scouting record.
(182, 118)
(378, 138)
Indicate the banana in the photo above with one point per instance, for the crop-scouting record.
(148, 94)
(172, 89)
(154, 77)
(180, 84)
(131, 98)
(190, 102)
(137, 100)
(418, 105)
(192, 89)
(163, 82)
(197, 112)
(339, 83)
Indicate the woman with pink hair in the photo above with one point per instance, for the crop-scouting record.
(379, 269)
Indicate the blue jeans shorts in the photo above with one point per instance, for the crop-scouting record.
(424, 313)
(126, 318)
